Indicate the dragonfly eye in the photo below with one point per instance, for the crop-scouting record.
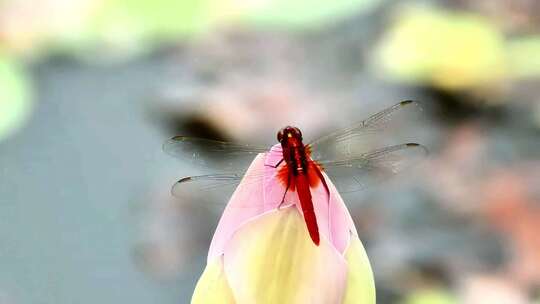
(280, 135)
(298, 132)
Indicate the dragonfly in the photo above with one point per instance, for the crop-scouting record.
(348, 164)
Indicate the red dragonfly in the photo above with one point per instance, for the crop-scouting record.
(337, 154)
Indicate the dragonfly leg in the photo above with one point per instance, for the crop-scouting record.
(285, 193)
(277, 165)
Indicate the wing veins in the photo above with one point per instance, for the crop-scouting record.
(369, 125)
(372, 155)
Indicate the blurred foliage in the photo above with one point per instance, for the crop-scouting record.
(453, 50)
(524, 56)
(302, 14)
(450, 49)
(128, 26)
(15, 101)
(143, 24)
(431, 296)
(113, 26)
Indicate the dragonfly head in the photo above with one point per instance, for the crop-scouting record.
(289, 132)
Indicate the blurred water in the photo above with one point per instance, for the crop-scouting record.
(68, 181)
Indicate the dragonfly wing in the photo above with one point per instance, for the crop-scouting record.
(213, 189)
(212, 153)
(209, 189)
(345, 143)
(355, 173)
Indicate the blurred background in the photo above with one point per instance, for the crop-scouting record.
(90, 89)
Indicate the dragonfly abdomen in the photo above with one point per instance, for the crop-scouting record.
(304, 194)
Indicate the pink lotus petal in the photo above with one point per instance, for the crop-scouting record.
(335, 222)
(237, 210)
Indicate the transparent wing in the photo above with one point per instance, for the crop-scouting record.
(205, 182)
(346, 143)
(212, 153)
(355, 173)
(214, 189)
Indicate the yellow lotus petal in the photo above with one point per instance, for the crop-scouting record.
(271, 259)
(360, 284)
(212, 286)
